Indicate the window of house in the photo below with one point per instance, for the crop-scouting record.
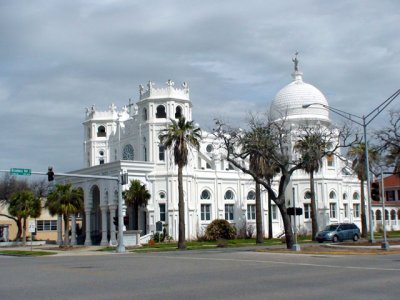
(160, 114)
(209, 148)
(101, 131)
(356, 210)
(307, 211)
(208, 166)
(393, 216)
(378, 215)
(144, 153)
(162, 212)
(46, 225)
(205, 212)
(332, 195)
(344, 196)
(332, 210)
(330, 160)
(251, 195)
(356, 196)
(128, 152)
(161, 153)
(390, 195)
(178, 112)
(205, 195)
(346, 210)
(101, 161)
(229, 195)
(386, 215)
(273, 212)
(307, 195)
(229, 212)
(144, 114)
(251, 211)
(162, 195)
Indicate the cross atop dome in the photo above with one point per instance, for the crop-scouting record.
(296, 62)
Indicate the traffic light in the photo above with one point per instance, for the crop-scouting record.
(375, 191)
(50, 174)
(115, 222)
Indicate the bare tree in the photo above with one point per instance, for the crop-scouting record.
(389, 138)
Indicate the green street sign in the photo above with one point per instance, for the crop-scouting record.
(20, 171)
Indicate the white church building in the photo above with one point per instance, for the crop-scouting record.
(127, 140)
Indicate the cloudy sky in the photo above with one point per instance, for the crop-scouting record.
(59, 57)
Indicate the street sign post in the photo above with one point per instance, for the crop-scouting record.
(20, 171)
(32, 229)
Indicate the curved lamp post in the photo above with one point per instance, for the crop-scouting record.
(363, 121)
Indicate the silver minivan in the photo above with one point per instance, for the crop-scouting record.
(339, 232)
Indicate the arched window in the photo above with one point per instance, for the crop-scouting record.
(205, 195)
(307, 195)
(344, 196)
(161, 153)
(393, 215)
(178, 112)
(251, 195)
(128, 153)
(160, 114)
(356, 196)
(162, 195)
(330, 160)
(144, 114)
(386, 215)
(332, 195)
(229, 195)
(378, 215)
(101, 131)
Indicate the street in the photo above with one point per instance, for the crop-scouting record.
(211, 274)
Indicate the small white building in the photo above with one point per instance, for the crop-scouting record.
(127, 140)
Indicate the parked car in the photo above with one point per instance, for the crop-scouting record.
(339, 232)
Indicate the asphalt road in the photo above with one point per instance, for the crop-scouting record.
(211, 274)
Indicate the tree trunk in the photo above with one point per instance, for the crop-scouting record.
(270, 233)
(314, 217)
(66, 230)
(259, 223)
(364, 229)
(288, 226)
(24, 232)
(136, 207)
(181, 207)
(19, 233)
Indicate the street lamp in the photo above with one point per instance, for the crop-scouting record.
(363, 121)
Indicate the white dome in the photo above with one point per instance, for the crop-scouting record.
(289, 102)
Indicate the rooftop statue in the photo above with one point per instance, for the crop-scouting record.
(296, 62)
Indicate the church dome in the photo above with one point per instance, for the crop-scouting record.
(289, 101)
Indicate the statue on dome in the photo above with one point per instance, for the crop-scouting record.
(170, 82)
(141, 89)
(296, 62)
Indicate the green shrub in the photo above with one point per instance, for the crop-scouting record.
(220, 229)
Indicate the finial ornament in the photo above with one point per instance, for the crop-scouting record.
(296, 62)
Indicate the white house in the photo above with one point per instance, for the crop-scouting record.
(127, 140)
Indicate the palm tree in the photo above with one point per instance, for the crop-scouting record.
(312, 147)
(137, 195)
(178, 136)
(357, 153)
(24, 204)
(64, 200)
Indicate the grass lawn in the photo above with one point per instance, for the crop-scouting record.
(24, 253)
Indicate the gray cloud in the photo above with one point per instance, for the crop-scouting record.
(58, 57)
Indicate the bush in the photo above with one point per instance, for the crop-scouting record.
(220, 229)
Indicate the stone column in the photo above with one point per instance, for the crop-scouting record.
(59, 230)
(113, 238)
(88, 241)
(73, 229)
(104, 210)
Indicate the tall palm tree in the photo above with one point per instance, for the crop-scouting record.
(312, 147)
(178, 136)
(65, 200)
(24, 204)
(137, 195)
(357, 154)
